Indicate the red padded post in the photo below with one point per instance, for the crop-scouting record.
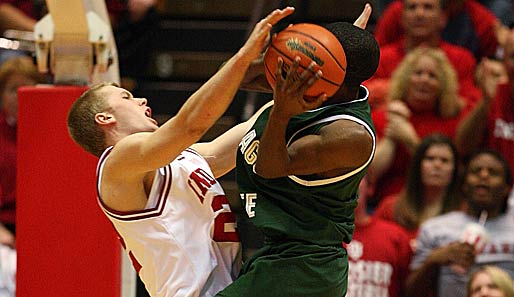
(65, 245)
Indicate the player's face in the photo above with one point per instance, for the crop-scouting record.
(437, 166)
(424, 85)
(483, 286)
(484, 183)
(422, 18)
(132, 114)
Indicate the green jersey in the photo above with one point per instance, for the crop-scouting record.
(304, 218)
(302, 208)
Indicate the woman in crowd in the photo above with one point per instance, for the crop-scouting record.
(490, 281)
(430, 187)
(423, 99)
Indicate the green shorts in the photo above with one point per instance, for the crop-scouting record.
(292, 269)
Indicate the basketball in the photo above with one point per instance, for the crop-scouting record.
(311, 43)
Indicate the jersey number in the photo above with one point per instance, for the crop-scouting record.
(224, 224)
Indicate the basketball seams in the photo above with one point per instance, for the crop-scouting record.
(315, 43)
(320, 44)
(284, 55)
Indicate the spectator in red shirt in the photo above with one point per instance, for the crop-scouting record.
(379, 253)
(423, 21)
(471, 25)
(423, 99)
(491, 122)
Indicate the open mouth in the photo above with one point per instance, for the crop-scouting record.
(148, 112)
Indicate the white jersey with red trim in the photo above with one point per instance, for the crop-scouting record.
(184, 243)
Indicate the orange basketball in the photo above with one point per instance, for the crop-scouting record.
(311, 43)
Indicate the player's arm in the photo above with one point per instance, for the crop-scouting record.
(338, 147)
(255, 78)
(144, 152)
(221, 152)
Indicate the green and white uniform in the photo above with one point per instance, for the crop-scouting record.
(304, 219)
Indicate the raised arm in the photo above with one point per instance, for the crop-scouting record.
(221, 152)
(472, 129)
(339, 147)
(255, 78)
(128, 171)
(144, 152)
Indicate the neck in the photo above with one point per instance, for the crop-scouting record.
(413, 42)
(476, 211)
(434, 194)
(112, 137)
(344, 94)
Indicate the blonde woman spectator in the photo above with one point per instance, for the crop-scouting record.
(490, 281)
(423, 99)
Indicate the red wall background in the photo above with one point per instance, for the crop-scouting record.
(65, 245)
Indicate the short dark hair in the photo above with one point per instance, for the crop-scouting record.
(361, 49)
(505, 165)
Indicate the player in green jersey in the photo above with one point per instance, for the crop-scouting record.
(298, 171)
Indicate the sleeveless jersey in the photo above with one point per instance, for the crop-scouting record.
(303, 208)
(184, 242)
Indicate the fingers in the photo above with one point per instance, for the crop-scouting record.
(363, 19)
(295, 80)
(291, 83)
(276, 15)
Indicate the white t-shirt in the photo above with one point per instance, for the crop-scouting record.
(441, 230)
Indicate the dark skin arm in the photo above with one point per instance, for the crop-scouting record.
(338, 148)
(423, 280)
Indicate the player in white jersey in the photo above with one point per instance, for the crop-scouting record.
(161, 196)
(187, 207)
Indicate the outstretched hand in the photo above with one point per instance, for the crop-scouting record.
(289, 93)
(260, 36)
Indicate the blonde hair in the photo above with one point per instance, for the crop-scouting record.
(449, 103)
(81, 119)
(499, 277)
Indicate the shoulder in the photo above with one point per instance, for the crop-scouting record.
(443, 221)
(394, 9)
(456, 52)
(479, 13)
(392, 49)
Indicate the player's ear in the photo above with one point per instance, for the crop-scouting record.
(104, 118)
